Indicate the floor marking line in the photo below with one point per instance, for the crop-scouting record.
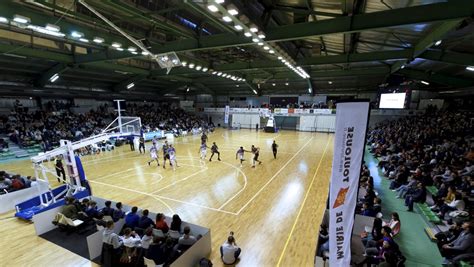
(179, 181)
(240, 191)
(302, 204)
(274, 176)
(197, 205)
(135, 191)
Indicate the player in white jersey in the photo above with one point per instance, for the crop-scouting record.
(172, 155)
(203, 151)
(153, 155)
(240, 155)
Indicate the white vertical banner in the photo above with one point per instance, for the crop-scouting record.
(226, 114)
(351, 126)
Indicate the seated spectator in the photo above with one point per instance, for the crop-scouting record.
(110, 237)
(155, 251)
(367, 210)
(147, 238)
(323, 240)
(118, 212)
(91, 210)
(17, 183)
(382, 255)
(111, 244)
(187, 239)
(442, 200)
(5, 183)
(375, 234)
(377, 205)
(448, 236)
(161, 223)
(373, 247)
(407, 188)
(130, 238)
(456, 204)
(69, 209)
(464, 243)
(132, 218)
(144, 221)
(107, 210)
(33, 182)
(176, 223)
(419, 196)
(394, 224)
(230, 252)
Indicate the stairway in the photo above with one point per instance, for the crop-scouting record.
(14, 151)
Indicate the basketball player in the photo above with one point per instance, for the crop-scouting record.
(214, 150)
(203, 151)
(256, 152)
(274, 149)
(203, 137)
(172, 157)
(240, 155)
(166, 154)
(142, 145)
(153, 155)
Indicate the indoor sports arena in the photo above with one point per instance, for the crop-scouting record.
(251, 133)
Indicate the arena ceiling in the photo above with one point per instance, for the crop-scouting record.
(345, 46)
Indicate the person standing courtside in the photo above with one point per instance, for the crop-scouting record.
(274, 149)
(142, 145)
(215, 150)
(60, 170)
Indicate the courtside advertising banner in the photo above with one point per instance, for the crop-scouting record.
(351, 126)
(226, 114)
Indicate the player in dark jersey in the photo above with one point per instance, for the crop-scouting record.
(166, 155)
(215, 150)
(256, 152)
(274, 149)
(203, 138)
(142, 145)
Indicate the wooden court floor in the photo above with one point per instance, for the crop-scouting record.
(274, 209)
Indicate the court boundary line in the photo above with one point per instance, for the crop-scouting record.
(180, 180)
(303, 204)
(274, 176)
(241, 190)
(135, 191)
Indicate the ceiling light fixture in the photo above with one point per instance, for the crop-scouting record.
(261, 35)
(233, 11)
(253, 29)
(3, 20)
(98, 40)
(54, 78)
(260, 43)
(77, 34)
(286, 84)
(219, 1)
(438, 42)
(226, 19)
(248, 34)
(330, 82)
(255, 92)
(183, 63)
(130, 86)
(212, 8)
(204, 69)
(470, 68)
(425, 82)
(119, 49)
(271, 52)
(255, 40)
(21, 19)
(84, 40)
(116, 45)
(52, 27)
(132, 49)
(191, 65)
(198, 67)
(238, 27)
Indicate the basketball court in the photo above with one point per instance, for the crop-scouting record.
(274, 209)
